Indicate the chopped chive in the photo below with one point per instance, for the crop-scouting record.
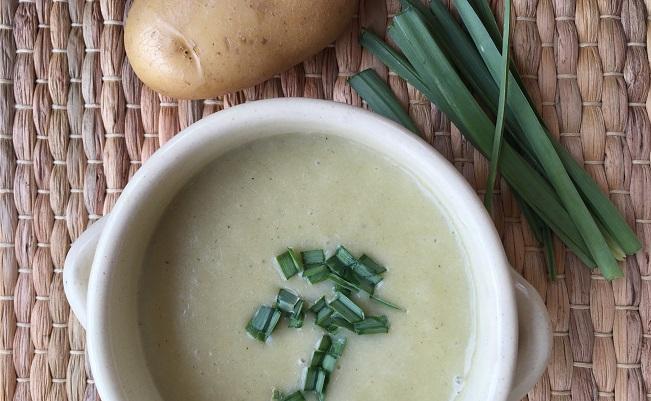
(342, 282)
(374, 279)
(372, 325)
(324, 344)
(329, 363)
(386, 303)
(317, 358)
(336, 266)
(318, 305)
(344, 256)
(313, 257)
(297, 396)
(291, 304)
(296, 320)
(323, 317)
(337, 322)
(338, 346)
(348, 309)
(353, 282)
(289, 263)
(310, 379)
(363, 283)
(316, 274)
(346, 291)
(321, 381)
(286, 300)
(263, 322)
(323, 363)
(372, 265)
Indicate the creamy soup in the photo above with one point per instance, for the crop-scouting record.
(211, 263)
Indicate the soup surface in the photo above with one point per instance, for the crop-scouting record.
(210, 263)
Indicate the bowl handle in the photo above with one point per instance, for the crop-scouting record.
(534, 338)
(76, 270)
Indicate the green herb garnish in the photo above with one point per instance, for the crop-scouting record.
(336, 266)
(346, 308)
(350, 276)
(372, 325)
(286, 301)
(371, 266)
(318, 305)
(323, 317)
(313, 257)
(386, 303)
(291, 305)
(309, 384)
(337, 347)
(344, 256)
(323, 363)
(289, 263)
(297, 318)
(263, 322)
(316, 273)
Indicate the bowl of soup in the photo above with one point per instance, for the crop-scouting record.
(167, 283)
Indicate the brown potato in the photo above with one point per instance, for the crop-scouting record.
(196, 49)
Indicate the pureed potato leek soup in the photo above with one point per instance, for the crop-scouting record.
(211, 263)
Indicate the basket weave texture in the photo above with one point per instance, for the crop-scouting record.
(76, 123)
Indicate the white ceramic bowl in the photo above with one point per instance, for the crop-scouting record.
(103, 266)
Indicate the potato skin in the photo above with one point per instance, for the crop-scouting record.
(197, 49)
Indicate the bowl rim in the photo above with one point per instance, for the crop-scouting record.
(497, 380)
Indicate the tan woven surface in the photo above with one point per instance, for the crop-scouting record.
(75, 124)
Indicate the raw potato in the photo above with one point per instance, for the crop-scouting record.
(199, 49)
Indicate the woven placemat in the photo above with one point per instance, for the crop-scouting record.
(75, 124)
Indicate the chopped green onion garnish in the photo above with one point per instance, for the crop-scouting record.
(338, 346)
(316, 273)
(342, 282)
(367, 269)
(352, 282)
(296, 320)
(324, 361)
(344, 256)
(324, 344)
(336, 266)
(371, 265)
(364, 284)
(336, 321)
(348, 309)
(292, 305)
(310, 378)
(347, 292)
(329, 362)
(318, 305)
(289, 263)
(324, 315)
(286, 300)
(372, 325)
(317, 358)
(313, 257)
(386, 303)
(321, 381)
(263, 322)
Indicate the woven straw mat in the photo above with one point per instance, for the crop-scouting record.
(76, 123)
